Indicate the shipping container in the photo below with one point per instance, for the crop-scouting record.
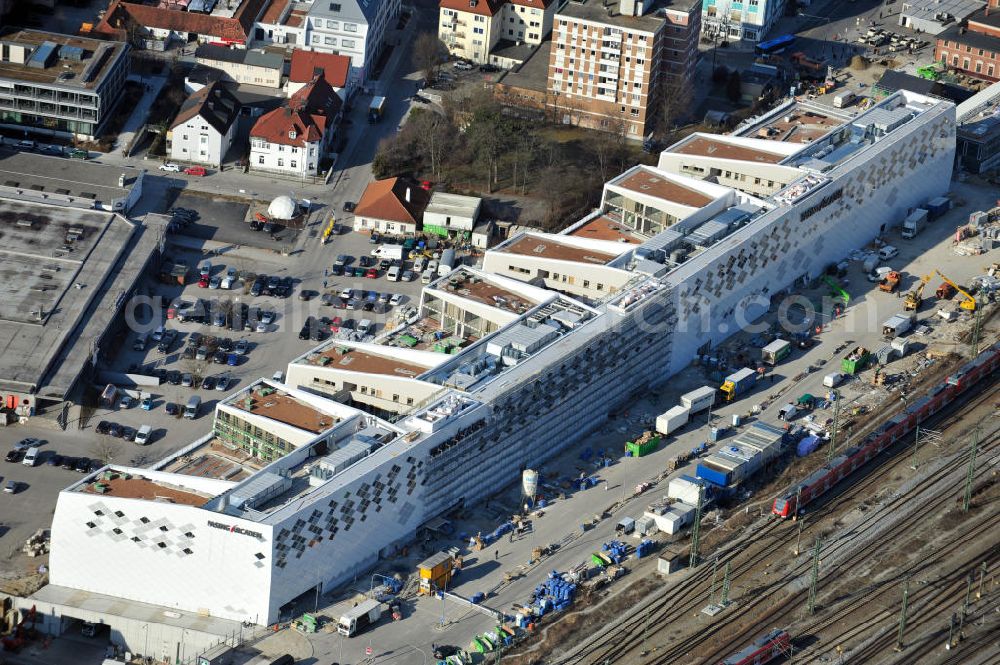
(672, 420)
(707, 471)
(776, 351)
(685, 488)
(675, 519)
(699, 399)
(897, 325)
(738, 383)
(938, 206)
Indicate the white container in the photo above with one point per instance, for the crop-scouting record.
(672, 420)
(833, 379)
(699, 400)
(685, 489)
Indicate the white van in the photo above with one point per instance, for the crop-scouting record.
(30, 457)
(142, 436)
(393, 273)
(191, 410)
(365, 327)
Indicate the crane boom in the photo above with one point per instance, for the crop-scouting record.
(969, 303)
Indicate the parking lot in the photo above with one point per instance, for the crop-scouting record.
(223, 219)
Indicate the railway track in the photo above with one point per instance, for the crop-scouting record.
(625, 636)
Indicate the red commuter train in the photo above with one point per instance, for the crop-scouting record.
(763, 650)
(888, 433)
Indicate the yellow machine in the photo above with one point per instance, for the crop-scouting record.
(914, 298)
(969, 303)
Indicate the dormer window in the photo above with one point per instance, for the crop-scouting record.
(292, 134)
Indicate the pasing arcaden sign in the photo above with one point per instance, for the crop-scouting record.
(232, 528)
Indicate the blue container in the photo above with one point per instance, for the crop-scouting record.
(717, 478)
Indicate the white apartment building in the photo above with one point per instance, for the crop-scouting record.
(293, 139)
(738, 20)
(353, 28)
(300, 487)
(499, 32)
(203, 130)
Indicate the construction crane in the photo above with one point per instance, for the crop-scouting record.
(969, 304)
(913, 298)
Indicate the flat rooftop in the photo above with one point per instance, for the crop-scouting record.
(71, 62)
(279, 406)
(61, 268)
(533, 74)
(654, 184)
(529, 245)
(123, 486)
(595, 10)
(705, 147)
(214, 460)
(355, 360)
(797, 125)
(426, 334)
(607, 228)
(91, 183)
(475, 288)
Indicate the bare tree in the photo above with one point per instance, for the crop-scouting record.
(675, 102)
(429, 53)
(106, 449)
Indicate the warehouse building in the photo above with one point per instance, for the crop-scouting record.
(305, 484)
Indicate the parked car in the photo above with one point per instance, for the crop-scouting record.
(258, 285)
(68, 463)
(11, 487)
(128, 433)
(79, 153)
(221, 383)
(55, 459)
(147, 403)
(463, 66)
(14, 456)
(195, 171)
(82, 465)
(208, 383)
(102, 427)
(232, 359)
(115, 430)
(349, 206)
(187, 380)
(337, 271)
(220, 357)
(170, 167)
(395, 299)
(125, 402)
(204, 282)
(242, 347)
(25, 144)
(267, 316)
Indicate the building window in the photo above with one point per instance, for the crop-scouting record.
(292, 163)
(315, 39)
(333, 25)
(204, 139)
(350, 27)
(395, 398)
(260, 160)
(334, 7)
(347, 43)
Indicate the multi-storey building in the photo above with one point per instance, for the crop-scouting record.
(244, 66)
(354, 28)
(292, 140)
(499, 32)
(302, 486)
(610, 68)
(205, 126)
(739, 20)
(58, 84)
(973, 48)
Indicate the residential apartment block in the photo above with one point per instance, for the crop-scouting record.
(498, 32)
(973, 48)
(243, 66)
(58, 83)
(609, 67)
(738, 20)
(354, 28)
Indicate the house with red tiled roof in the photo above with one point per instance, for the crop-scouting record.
(306, 65)
(127, 20)
(497, 32)
(393, 205)
(294, 139)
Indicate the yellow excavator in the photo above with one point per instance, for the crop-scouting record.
(969, 303)
(913, 298)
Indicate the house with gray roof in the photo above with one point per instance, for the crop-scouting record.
(355, 28)
(205, 126)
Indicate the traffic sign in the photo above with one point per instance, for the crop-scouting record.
(368, 651)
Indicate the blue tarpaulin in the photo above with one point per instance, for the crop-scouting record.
(807, 445)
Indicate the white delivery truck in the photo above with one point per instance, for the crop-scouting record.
(447, 263)
(699, 399)
(672, 420)
(844, 99)
(391, 252)
(914, 223)
(897, 325)
(359, 617)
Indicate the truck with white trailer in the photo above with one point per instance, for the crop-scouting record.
(672, 420)
(699, 399)
(914, 223)
(355, 620)
(776, 351)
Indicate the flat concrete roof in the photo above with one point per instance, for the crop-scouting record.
(214, 460)
(606, 228)
(284, 408)
(53, 283)
(355, 360)
(138, 487)
(131, 610)
(528, 245)
(477, 289)
(654, 184)
(595, 11)
(95, 59)
(702, 146)
(533, 74)
(63, 176)
(797, 125)
(453, 204)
